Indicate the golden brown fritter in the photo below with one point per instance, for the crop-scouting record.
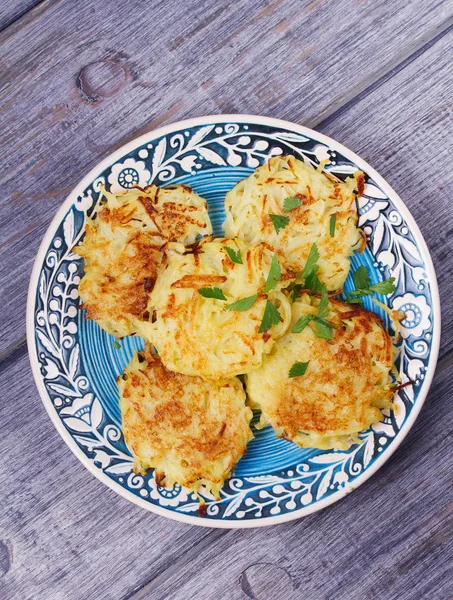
(346, 383)
(196, 335)
(190, 431)
(123, 247)
(251, 202)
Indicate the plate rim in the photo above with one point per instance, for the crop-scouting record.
(120, 153)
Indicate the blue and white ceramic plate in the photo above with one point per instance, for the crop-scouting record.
(75, 363)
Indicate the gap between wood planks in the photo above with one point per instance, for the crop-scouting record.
(23, 19)
(392, 68)
(166, 572)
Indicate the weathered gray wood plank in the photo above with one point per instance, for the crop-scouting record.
(63, 534)
(403, 128)
(62, 114)
(303, 60)
(391, 538)
(10, 10)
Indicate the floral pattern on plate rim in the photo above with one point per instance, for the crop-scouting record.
(296, 490)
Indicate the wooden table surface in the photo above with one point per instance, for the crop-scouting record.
(79, 79)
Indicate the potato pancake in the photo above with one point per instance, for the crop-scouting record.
(189, 431)
(206, 336)
(346, 384)
(123, 245)
(306, 206)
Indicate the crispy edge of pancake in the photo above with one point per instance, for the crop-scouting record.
(114, 291)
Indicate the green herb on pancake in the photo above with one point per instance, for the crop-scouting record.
(291, 203)
(234, 256)
(298, 369)
(333, 221)
(279, 222)
(364, 287)
(243, 304)
(274, 275)
(271, 317)
(212, 292)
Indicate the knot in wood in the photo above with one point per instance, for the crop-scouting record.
(6, 558)
(266, 581)
(100, 80)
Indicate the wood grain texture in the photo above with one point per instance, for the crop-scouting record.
(403, 128)
(80, 79)
(302, 60)
(10, 10)
(392, 538)
(85, 77)
(63, 534)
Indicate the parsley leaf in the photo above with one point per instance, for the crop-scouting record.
(384, 287)
(274, 275)
(279, 222)
(353, 300)
(322, 329)
(301, 324)
(333, 221)
(234, 256)
(298, 369)
(364, 287)
(291, 203)
(323, 309)
(295, 291)
(311, 265)
(361, 278)
(212, 292)
(243, 304)
(312, 282)
(359, 293)
(271, 317)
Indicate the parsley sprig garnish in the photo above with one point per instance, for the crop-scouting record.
(295, 289)
(271, 317)
(212, 292)
(274, 275)
(333, 222)
(243, 304)
(234, 256)
(291, 203)
(310, 265)
(320, 327)
(364, 287)
(309, 275)
(298, 369)
(279, 222)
